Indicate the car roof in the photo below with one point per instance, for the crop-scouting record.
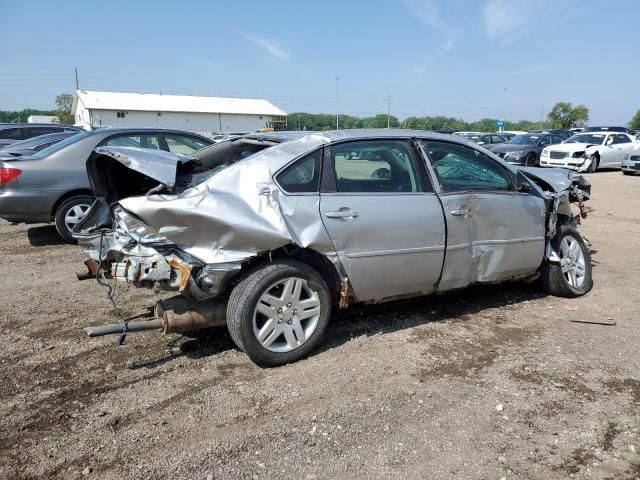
(354, 134)
(110, 130)
(22, 125)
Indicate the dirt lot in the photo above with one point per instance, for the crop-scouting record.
(487, 383)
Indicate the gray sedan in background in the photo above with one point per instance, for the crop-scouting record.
(52, 184)
(270, 242)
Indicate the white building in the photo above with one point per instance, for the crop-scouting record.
(195, 114)
(42, 119)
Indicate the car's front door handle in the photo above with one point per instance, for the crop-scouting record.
(344, 213)
(462, 212)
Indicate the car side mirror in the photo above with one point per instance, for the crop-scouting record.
(524, 187)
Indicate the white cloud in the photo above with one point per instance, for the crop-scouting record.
(502, 19)
(268, 46)
(427, 12)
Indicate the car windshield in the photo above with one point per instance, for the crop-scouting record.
(60, 145)
(473, 138)
(525, 140)
(592, 138)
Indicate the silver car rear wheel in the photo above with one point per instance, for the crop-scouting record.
(278, 311)
(286, 315)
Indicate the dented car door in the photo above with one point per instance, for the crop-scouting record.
(385, 222)
(494, 232)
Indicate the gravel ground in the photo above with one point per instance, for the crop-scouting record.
(492, 382)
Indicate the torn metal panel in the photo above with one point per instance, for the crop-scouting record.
(156, 164)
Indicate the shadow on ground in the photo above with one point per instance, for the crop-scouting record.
(370, 320)
(44, 235)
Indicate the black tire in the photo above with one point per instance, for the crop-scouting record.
(67, 207)
(530, 161)
(595, 162)
(244, 300)
(552, 275)
(627, 173)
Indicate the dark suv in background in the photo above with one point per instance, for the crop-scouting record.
(13, 132)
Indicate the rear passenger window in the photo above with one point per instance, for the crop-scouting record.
(461, 168)
(12, 134)
(184, 144)
(375, 166)
(37, 131)
(140, 141)
(623, 138)
(303, 176)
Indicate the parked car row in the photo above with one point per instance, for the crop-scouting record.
(587, 151)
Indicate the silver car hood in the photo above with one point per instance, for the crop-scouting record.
(559, 179)
(156, 164)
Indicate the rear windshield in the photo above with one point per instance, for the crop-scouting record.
(593, 139)
(60, 145)
(525, 140)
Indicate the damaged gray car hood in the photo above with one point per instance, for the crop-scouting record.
(557, 178)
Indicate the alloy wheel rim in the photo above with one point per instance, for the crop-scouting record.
(572, 262)
(75, 215)
(286, 315)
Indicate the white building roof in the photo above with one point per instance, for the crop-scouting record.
(154, 102)
(42, 119)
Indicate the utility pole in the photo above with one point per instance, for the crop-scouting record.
(541, 110)
(337, 106)
(388, 110)
(77, 84)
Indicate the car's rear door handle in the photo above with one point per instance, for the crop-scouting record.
(462, 212)
(344, 213)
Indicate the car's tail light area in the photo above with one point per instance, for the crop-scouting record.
(8, 175)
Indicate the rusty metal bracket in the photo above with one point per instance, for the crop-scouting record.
(92, 269)
(344, 294)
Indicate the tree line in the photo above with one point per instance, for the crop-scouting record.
(324, 121)
(562, 115)
(64, 102)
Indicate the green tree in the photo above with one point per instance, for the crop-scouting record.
(565, 115)
(64, 101)
(634, 124)
(380, 121)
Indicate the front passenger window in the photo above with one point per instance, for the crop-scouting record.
(461, 168)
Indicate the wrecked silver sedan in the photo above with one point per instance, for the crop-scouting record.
(269, 235)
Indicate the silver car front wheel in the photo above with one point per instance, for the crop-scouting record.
(571, 277)
(572, 262)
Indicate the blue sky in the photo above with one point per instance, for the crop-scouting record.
(462, 58)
